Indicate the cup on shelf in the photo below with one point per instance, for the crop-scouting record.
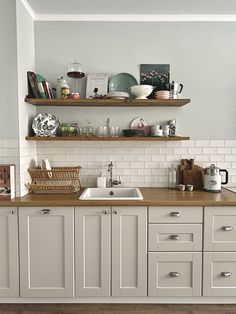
(114, 131)
(102, 131)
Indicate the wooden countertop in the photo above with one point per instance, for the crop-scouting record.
(152, 196)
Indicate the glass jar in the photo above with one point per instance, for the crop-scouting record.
(172, 177)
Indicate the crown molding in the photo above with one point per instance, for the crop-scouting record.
(135, 17)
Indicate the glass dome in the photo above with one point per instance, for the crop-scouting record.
(75, 70)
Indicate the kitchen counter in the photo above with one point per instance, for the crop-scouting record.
(151, 196)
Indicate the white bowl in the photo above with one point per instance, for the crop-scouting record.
(141, 91)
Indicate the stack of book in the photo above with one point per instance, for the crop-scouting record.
(38, 87)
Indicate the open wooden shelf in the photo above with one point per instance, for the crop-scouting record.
(94, 138)
(108, 102)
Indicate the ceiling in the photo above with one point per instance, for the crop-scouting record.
(133, 7)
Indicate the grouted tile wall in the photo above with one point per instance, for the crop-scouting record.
(138, 163)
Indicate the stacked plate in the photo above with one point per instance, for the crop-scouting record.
(117, 95)
(162, 94)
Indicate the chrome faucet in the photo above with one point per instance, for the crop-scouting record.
(111, 181)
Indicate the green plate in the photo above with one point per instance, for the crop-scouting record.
(122, 83)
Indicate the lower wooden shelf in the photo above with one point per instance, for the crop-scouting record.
(94, 138)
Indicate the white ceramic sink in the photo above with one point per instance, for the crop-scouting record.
(111, 193)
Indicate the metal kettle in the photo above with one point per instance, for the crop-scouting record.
(212, 178)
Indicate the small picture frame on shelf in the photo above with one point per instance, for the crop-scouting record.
(157, 75)
(97, 84)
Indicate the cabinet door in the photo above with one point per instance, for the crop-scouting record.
(129, 251)
(175, 237)
(174, 274)
(46, 251)
(219, 274)
(9, 273)
(92, 251)
(220, 228)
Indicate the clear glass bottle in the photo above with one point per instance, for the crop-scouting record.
(172, 177)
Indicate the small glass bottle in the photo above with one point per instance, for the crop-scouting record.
(172, 174)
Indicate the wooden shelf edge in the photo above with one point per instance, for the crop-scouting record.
(108, 102)
(123, 138)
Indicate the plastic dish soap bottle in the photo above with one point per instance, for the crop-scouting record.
(101, 181)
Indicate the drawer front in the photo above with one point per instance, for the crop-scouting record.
(175, 214)
(219, 274)
(220, 228)
(174, 274)
(175, 237)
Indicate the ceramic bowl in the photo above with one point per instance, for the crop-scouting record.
(141, 91)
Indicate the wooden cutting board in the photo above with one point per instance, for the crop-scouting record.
(189, 173)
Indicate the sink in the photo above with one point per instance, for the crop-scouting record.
(111, 193)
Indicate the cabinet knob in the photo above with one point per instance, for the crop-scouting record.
(115, 212)
(227, 228)
(175, 214)
(105, 212)
(174, 274)
(174, 237)
(46, 211)
(226, 274)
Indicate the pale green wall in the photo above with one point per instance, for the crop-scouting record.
(8, 70)
(202, 57)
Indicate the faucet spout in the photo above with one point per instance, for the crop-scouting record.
(111, 181)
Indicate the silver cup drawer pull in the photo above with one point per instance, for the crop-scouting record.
(174, 274)
(46, 211)
(226, 274)
(227, 228)
(175, 214)
(174, 237)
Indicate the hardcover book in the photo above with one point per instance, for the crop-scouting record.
(7, 182)
(97, 84)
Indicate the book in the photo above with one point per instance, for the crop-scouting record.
(32, 91)
(45, 89)
(50, 90)
(7, 182)
(36, 84)
(96, 86)
(40, 81)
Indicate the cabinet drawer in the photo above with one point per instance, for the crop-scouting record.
(174, 274)
(219, 274)
(175, 214)
(175, 237)
(220, 228)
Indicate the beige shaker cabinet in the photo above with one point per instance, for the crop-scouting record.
(92, 251)
(111, 251)
(46, 251)
(9, 268)
(220, 228)
(174, 274)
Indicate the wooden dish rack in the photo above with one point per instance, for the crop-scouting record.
(56, 180)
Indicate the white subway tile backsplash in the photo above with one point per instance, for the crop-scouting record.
(138, 163)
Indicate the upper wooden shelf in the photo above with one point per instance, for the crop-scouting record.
(108, 102)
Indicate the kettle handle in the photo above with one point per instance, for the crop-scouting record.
(181, 87)
(226, 176)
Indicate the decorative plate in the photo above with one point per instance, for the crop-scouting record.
(141, 124)
(45, 124)
(122, 83)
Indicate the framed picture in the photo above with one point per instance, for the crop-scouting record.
(157, 75)
(97, 84)
(7, 182)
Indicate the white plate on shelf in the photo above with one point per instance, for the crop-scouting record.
(141, 124)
